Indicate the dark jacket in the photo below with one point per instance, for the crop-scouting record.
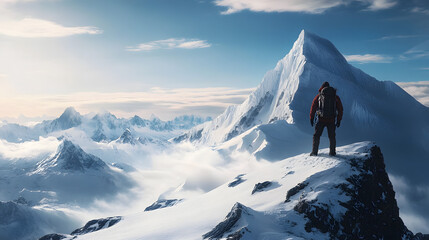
(315, 106)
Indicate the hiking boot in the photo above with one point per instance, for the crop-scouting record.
(332, 153)
(313, 154)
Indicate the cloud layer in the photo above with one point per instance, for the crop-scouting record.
(419, 90)
(307, 6)
(412, 200)
(170, 43)
(38, 28)
(368, 58)
(165, 103)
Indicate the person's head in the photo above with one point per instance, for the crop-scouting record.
(325, 84)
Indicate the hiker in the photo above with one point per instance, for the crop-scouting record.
(327, 106)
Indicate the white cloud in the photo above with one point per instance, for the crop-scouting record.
(375, 5)
(170, 43)
(420, 10)
(397, 37)
(38, 28)
(307, 6)
(412, 201)
(29, 149)
(419, 90)
(368, 58)
(16, 1)
(165, 103)
(419, 51)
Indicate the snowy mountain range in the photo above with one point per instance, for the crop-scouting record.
(101, 127)
(246, 174)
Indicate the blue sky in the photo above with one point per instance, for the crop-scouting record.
(52, 48)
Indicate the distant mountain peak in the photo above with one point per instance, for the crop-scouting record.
(70, 157)
(127, 137)
(70, 111)
(68, 119)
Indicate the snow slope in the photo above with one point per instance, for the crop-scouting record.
(347, 197)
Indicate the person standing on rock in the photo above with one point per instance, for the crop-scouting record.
(327, 107)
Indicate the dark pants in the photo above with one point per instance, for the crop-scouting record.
(318, 132)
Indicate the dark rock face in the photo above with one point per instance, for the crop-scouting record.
(226, 225)
(99, 136)
(97, 224)
(191, 136)
(181, 138)
(372, 212)
(259, 187)
(247, 120)
(74, 158)
(54, 236)
(196, 136)
(319, 217)
(127, 137)
(295, 190)
(91, 226)
(420, 236)
(239, 179)
(21, 200)
(238, 234)
(162, 204)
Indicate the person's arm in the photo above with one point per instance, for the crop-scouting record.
(314, 107)
(339, 109)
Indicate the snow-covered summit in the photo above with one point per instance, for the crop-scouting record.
(70, 118)
(373, 110)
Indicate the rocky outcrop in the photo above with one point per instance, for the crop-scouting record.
(237, 180)
(163, 203)
(55, 236)
(293, 191)
(226, 225)
(371, 212)
(91, 226)
(259, 187)
(97, 224)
